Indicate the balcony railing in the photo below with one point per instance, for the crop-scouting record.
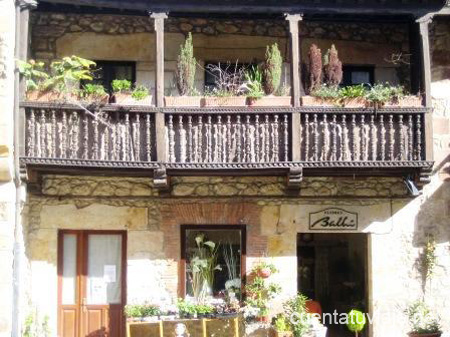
(225, 138)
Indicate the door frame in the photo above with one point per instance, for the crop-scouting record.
(81, 270)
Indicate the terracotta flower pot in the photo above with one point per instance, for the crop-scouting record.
(270, 101)
(49, 96)
(316, 101)
(264, 273)
(224, 101)
(193, 101)
(358, 102)
(414, 334)
(126, 99)
(97, 100)
(263, 319)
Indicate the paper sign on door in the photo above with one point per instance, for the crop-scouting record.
(109, 273)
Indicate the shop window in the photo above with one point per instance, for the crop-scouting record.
(354, 75)
(215, 251)
(107, 71)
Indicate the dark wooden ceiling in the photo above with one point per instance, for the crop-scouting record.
(308, 7)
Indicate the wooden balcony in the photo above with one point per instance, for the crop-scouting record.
(226, 141)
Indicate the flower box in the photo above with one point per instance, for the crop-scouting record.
(224, 101)
(50, 96)
(415, 334)
(270, 101)
(316, 101)
(406, 101)
(357, 102)
(126, 99)
(189, 101)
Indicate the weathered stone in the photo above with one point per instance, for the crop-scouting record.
(186, 27)
(97, 26)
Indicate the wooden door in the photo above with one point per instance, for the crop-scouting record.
(91, 286)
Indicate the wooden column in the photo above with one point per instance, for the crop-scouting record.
(161, 152)
(426, 82)
(293, 20)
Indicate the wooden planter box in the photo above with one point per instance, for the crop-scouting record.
(224, 101)
(50, 96)
(127, 99)
(406, 101)
(316, 101)
(358, 102)
(189, 101)
(270, 101)
(96, 100)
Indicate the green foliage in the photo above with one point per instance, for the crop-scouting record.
(429, 257)
(283, 90)
(203, 309)
(254, 83)
(186, 67)
(422, 319)
(142, 310)
(356, 321)
(273, 64)
(379, 94)
(140, 93)
(296, 307)
(264, 265)
(259, 293)
(121, 85)
(186, 308)
(93, 92)
(354, 91)
(281, 323)
(326, 92)
(33, 72)
(35, 327)
(68, 71)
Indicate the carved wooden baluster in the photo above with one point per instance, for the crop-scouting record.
(286, 137)
(64, 130)
(171, 140)
(306, 135)
(200, 139)
(238, 139)
(209, 140)
(128, 135)
(148, 137)
(263, 140)
(247, 140)
(383, 138)
(138, 137)
(419, 137)
(326, 138)
(391, 137)
(267, 137)
(410, 138)
(182, 139)
(85, 137)
(95, 147)
(316, 138)
(402, 137)
(364, 142)
(257, 140)
(228, 158)
(75, 131)
(43, 134)
(334, 144)
(373, 138)
(219, 140)
(53, 134)
(119, 143)
(191, 156)
(344, 139)
(106, 151)
(31, 133)
(276, 140)
(355, 153)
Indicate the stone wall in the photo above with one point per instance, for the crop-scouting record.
(7, 189)
(396, 226)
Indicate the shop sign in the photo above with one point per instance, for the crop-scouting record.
(333, 219)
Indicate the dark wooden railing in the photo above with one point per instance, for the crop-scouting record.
(225, 138)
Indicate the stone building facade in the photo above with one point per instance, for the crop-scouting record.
(396, 225)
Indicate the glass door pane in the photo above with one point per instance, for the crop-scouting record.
(104, 269)
(69, 274)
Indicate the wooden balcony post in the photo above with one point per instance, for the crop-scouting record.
(426, 82)
(161, 154)
(294, 19)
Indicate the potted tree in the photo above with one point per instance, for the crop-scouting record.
(94, 93)
(422, 321)
(185, 77)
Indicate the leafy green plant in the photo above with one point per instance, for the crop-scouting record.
(326, 92)
(283, 90)
(204, 309)
(33, 72)
(140, 93)
(260, 293)
(35, 327)
(186, 67)
(379, 94)
(421, 319)
(281, 324)
(356, 321)
(68, 71)
(272, 68)
(119, 86)
(429, 257)
(296, 307)
(142, 310)
(186, 308)
(353, 91)
(93, 92)
(254, 83)
(263, 265)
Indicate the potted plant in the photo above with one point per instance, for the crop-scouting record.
(253, 85)
(356, 321)
(325, 95)
(422, 321)
(228, 90)
(281, 326)
(94, 93)
(378, 95)
(125, 95)
(142, 312)
(353, 96)
(34, 75)
(400, 98)
(264, 269)
(297, 306)
(186, 309)
(185, 77)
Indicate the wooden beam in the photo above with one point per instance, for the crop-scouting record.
(161, 151)
(426, 82)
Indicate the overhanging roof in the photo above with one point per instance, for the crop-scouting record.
(360, 7)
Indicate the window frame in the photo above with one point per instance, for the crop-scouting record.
(347, 69)
(182, 269)
(110, 74)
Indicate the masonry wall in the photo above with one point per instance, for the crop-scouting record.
(7, 189)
